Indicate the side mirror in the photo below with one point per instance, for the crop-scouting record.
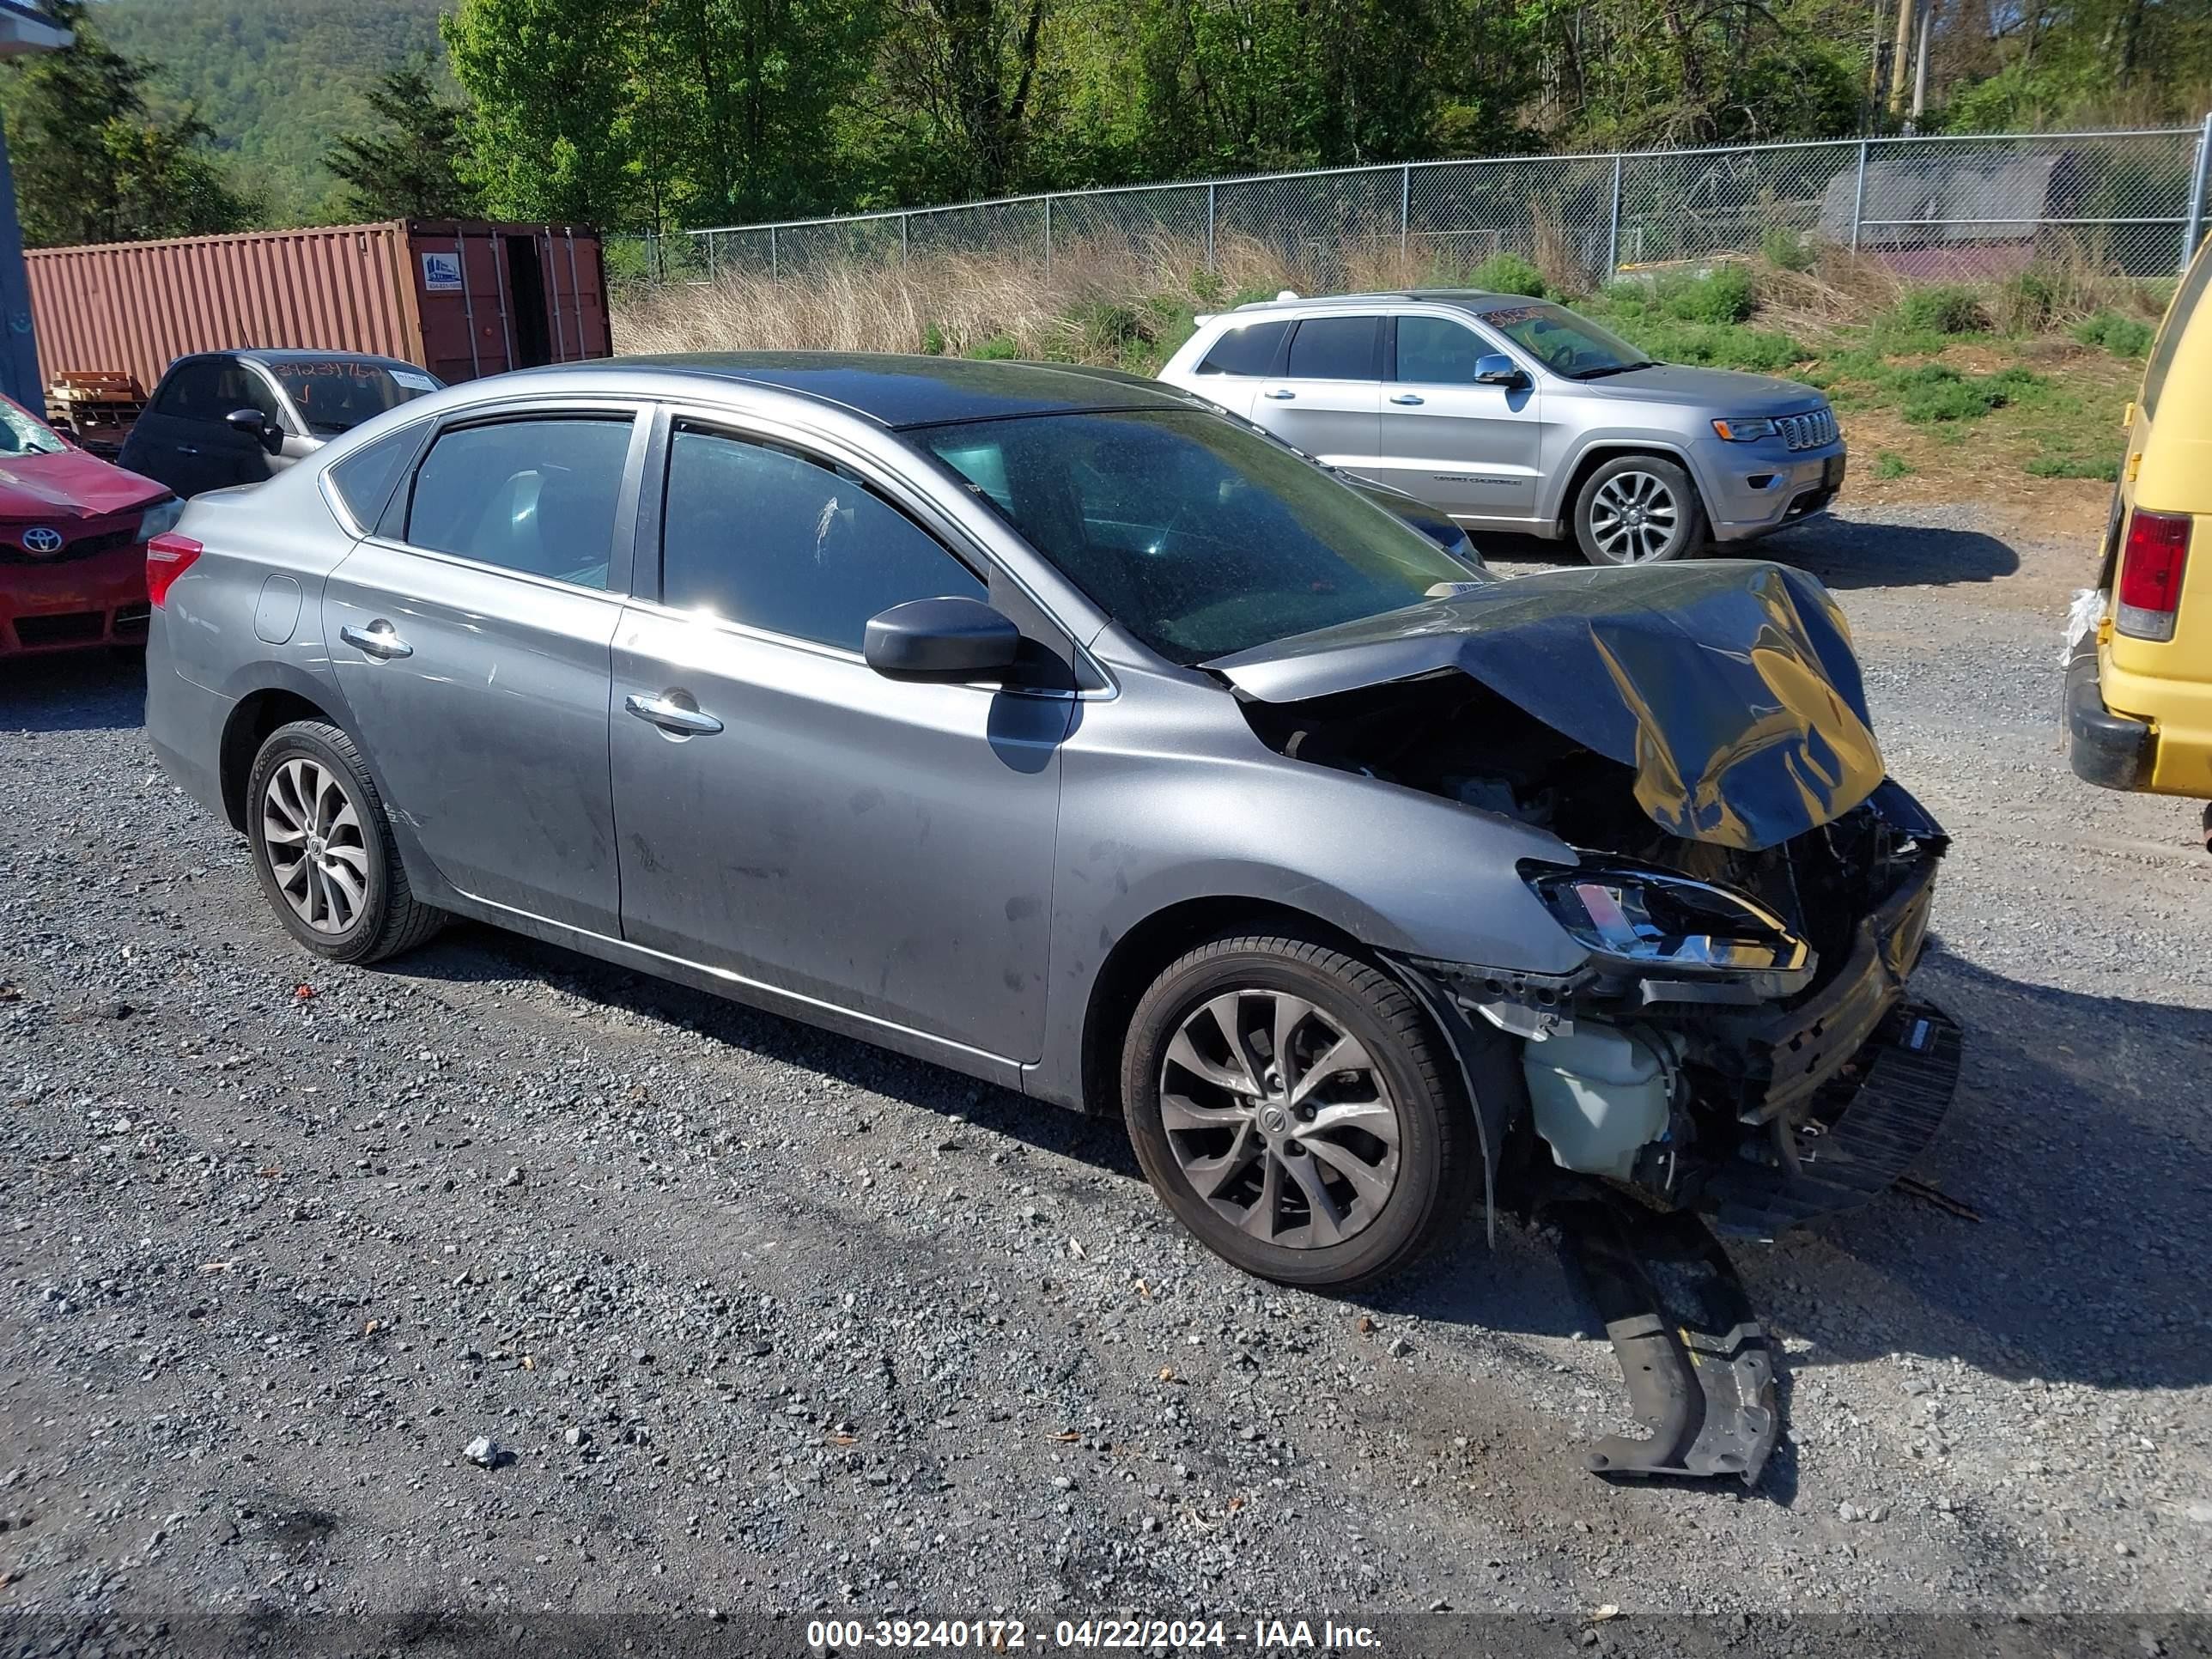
(940, 639)
(251, 423)
(1496, 369)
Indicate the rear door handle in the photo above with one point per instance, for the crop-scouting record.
(671, 715)
(1407, 398)
(1280, 394)
(377, 640)
(188, 449)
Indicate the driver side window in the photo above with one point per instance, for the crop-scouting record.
(1437, 352)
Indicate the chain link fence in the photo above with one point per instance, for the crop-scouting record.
(1972, 206)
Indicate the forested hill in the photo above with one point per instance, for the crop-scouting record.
(277, 79)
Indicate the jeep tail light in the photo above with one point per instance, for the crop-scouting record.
(2151, 567)
(168, 557)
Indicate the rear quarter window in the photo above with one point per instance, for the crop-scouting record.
(2186, 303)
(1249, 348)
(363, 480)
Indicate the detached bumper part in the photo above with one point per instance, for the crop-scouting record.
(1699, 1371)
(2110, 750)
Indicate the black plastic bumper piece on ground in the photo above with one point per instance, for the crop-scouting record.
(1909, 1072)
(1699, 1371)
(2110, 750)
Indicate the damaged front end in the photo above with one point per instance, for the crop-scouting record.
(1750, 891)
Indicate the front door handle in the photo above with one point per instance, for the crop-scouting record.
(670, 715)
(1407, 398)
(1280, 394)
(377, 640)
(188, 449)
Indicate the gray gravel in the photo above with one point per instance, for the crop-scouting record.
(497, 1280)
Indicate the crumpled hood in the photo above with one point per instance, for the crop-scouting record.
(69, 485)
(1730, 686)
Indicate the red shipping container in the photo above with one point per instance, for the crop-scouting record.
(461, 299)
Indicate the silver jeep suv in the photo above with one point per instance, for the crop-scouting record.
(1516, 415)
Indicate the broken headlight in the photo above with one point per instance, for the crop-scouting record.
(1671, 931)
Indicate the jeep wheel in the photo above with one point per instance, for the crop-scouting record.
(1637, 509)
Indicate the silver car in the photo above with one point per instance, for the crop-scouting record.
(1518, 414)
(1053, 729)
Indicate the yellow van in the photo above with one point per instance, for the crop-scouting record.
(2139, 681)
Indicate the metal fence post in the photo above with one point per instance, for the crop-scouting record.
(1858, 196)
(905, 219)
(1612, 225)
(1048, 238)
(1209, 226)
(1405, 205)
(2194, 230)
(774, 272)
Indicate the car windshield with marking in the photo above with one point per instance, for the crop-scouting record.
(1569, 345)
(1198, 538)
(337, 394)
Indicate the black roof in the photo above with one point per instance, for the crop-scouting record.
(903, 391)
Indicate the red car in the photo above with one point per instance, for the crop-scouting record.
(73, 535)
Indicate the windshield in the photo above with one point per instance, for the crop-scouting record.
(337, 394)
(22, 433)
(1572, 346)
(1198, 538)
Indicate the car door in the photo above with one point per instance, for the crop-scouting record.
(470, 637)
(1472, 450)
(790, 817)
(242, 457)
(171, 442)
(1325, 397)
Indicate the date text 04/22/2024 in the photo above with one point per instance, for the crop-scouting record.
(1109, 1635)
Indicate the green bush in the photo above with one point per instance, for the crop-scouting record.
(1935, 391)
(999, 349)
(2074, 466)
(2023, 303)
(1508, 273)
(1103, 327)
(1786, 250)
(1944, 308)
(1712, 345)
(1891, 464)
(2124, 336)
(933, 340)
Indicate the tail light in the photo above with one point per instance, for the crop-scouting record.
(2151, 567)
(168, 557)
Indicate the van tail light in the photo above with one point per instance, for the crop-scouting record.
(2151, 567)
(168, 557)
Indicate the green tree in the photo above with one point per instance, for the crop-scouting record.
(92, 165)
(408, 171)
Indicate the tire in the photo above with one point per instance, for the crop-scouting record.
(1188, 1129)
(308, 781)
(1607, 528)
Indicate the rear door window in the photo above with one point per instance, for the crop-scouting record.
(757, 534)
(1335, 349)
(2177, 323)
(192, 390)
(533, 495)
(1248, 349)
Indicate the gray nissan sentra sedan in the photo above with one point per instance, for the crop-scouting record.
(1053, 729)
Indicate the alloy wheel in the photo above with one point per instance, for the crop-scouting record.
(1279, 1119)
(311, 829)
(1633, 516)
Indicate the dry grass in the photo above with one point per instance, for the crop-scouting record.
(961, 303)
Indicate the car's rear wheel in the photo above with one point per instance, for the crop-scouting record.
(1292, 1107)
(1637, 509)
(323, 848)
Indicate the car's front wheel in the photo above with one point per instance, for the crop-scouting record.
(323, 848)
(1292, 1106)
(1637, 509)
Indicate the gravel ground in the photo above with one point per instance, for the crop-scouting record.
(757, 1318)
